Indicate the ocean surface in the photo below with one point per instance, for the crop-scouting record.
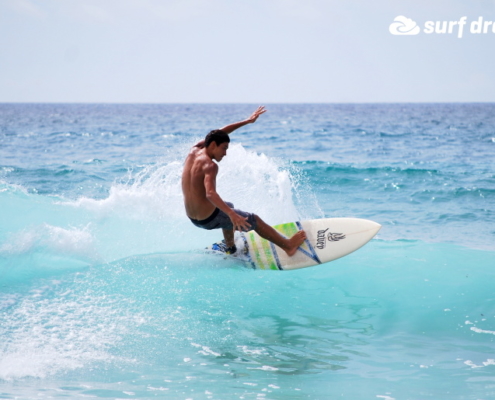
(106, 291)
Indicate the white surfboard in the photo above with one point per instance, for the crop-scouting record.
(327, 240)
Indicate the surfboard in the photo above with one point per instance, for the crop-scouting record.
(327, 240)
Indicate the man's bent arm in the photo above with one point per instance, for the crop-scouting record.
(238, 221)
(254, 116)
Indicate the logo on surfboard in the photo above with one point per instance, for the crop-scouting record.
(322, 237)
(335, 237)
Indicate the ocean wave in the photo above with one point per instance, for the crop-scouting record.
(142, 212)
(78, 242)
(481, 183)
(105, 290)
(178, 311)
(395, 134)
(410, 201)
(61, 180)
(251, 181)
(45, 250)
(359, 169)
(50, 331)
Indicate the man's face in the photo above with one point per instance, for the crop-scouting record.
(221, 151)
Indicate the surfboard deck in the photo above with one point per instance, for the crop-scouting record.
(327, 240)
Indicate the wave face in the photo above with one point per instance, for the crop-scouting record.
(105, 290)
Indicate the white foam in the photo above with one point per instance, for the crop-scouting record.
(145, 212)
(265, 368)
(489, 361)
(385, 397)
(12, 187)
(478, 330)
(246, 350)
(267, 186)
(8, 300)
(43, 336)
(253, 182)
(69, 241)
(154, 192)
(205, 350)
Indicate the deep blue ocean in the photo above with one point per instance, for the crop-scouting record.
(106, 291)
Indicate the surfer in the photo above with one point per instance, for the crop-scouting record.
(204, 206)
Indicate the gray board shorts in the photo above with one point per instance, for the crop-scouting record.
(221, 220)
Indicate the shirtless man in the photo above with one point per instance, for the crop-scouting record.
(204, 206)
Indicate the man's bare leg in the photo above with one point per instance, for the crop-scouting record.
(228, 235)
(288, 245)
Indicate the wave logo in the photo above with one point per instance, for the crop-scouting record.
(403, 26)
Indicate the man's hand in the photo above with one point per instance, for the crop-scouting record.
(240, 223)
(254, 116)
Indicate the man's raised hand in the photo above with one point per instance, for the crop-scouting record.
(254, 116)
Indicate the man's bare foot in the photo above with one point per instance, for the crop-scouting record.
(294, 242)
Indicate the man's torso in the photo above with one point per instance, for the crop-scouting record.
(193, 187)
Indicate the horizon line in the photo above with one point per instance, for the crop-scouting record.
(242, 103)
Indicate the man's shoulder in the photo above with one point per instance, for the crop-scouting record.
(200, 159)
(195, 155)
(209, 165)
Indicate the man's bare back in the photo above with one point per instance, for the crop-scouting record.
(197, 205)
(206, 208)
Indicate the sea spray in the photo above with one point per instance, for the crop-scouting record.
(144, 211)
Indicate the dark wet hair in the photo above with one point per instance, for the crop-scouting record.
(218, 136)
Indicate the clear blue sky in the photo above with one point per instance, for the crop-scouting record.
(233, 51)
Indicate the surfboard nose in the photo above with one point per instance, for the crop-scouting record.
(371, 227)
(376, 226)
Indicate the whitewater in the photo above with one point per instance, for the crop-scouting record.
(106, 291)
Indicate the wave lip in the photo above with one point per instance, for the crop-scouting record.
(46, 250)
(71, 241)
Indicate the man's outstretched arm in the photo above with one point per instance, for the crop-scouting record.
(254, 116)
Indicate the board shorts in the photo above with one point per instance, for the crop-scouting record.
(221, 220)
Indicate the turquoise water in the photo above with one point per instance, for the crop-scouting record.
(106, 292)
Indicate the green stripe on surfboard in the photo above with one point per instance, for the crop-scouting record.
(289, 229)
(257, 253)
(268, 253)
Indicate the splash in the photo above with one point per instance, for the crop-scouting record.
(251, 181)
(144, 213)
(72, 241)
(55, 329)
